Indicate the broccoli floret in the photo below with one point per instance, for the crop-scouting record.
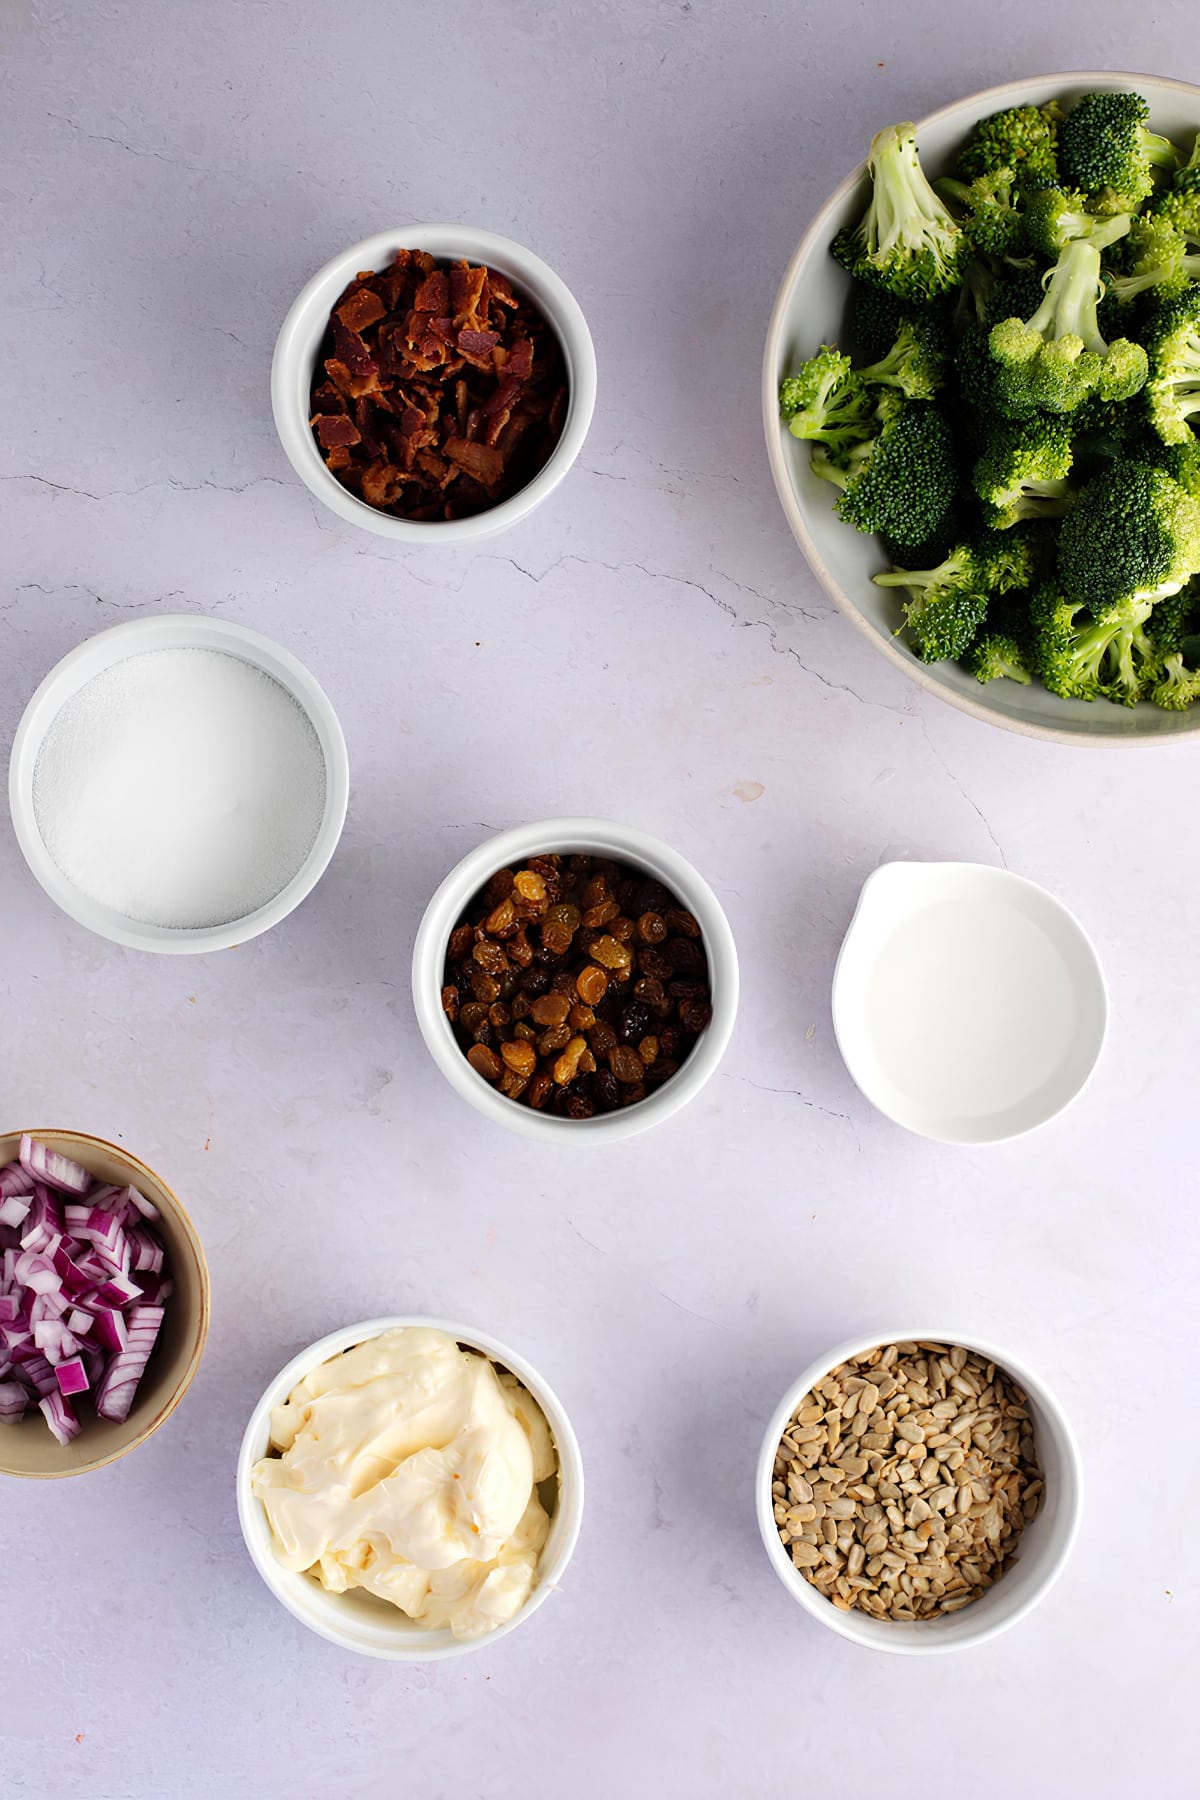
(906, 241)
(1180, 204)
(1022, 473)
(1173, 387)
(826, 402)
(989, 214)
(1054, 216)
(916, 361)
(1157, 258)
(1132, 537)
(1056, 359)
(1106, 150)
(1182, 463)
(1177, 685)
(995, 656)
(946, 604)
(1083, 657)
(1021, 138)
(901, 479)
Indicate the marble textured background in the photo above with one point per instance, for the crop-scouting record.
(650, 645)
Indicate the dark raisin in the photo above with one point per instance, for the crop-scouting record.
(682, 924)
(461, 939)
(686, 954)
(535, 981)
(521, 1006)
(634, 1022)
(631, 1095)
(695, 1015)
(626, 1064)
(601, 1037)
(606, 1090)
(578, 1106)
(655, 962)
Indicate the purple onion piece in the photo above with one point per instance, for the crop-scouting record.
(59, 1415)
(52, 1167)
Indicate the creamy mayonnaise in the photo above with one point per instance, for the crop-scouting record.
(409, 1467)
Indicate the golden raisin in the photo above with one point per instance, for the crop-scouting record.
(580, 1017)
(490, 957)
(499, 1015)
(591, 984)
(567, 1066)
(461, 939)
(530, 886)
(520, 950)
(513, 1084)
(485, 1062)
(525, 1032)
(550, 1009)
(608, 951)
(501, 918)
(647, 1050)
(485, 987)
(595, 916)
(651, 928)
(450, 1003)
(587, 1063)
(556, 938)
(555, 1037)
(519, 1055)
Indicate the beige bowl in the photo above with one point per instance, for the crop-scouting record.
(809, 311)
(28, 1448)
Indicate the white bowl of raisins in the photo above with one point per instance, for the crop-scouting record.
(575, 979)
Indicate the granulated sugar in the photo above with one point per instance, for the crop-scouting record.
(182, 788)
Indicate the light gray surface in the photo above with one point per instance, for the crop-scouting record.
(649, 644)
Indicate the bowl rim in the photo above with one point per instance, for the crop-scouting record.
(817, 233)
(164, 631)
(305, 324)
(1003, 877)
(602, 837)
(256, 1442)
(848, 1625)
(184, 1221)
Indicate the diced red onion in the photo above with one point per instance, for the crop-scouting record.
(72, 1376)
(10, 1309)
(52, 1167)
(14, 1399)
(79, 1322)
(119, 1384)
(14, 1208)
(41, 1375)
(60, 1416)
(111, 1329)
(14, 1179)
(118, 1290)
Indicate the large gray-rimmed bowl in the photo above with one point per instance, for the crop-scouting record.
(809, 311)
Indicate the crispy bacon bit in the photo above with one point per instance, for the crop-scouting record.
(479, 460)
(337, 429)
(477, 343)
(433, 295)
(363, 308)
(439, 391)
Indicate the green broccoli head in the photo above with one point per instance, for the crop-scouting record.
(906, 241)
(1156, 258)
(902, 479)
(916, 361)
(987, 210)
(1177, 686)
(1054, 216)
(1057, 359)
(1179, 205)
(1182, 463)
(826, 402)
(1021, 138)
(1023, 471)
(1173, 387)
(1083, 657)
(1132, 536)
(1106, 151)
(996, 656)
(946, 604)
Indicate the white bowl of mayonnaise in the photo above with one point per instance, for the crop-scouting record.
(410, 1488)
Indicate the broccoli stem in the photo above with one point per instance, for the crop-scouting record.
(902, 195)
(1159, 150)
(1072, 292)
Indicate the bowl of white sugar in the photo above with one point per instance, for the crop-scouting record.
(178, 784)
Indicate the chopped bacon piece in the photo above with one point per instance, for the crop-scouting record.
(480, 460)
(363, 308)
(520, 360)
(337, 429)
(382, 483)
(433, 295)
(477, 343)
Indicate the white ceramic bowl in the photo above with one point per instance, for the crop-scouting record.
(809, 311)
(361, 1622)
(574, 836)
(968, 1004)
(300, 339)
(1046, 1541)
(174, 632)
